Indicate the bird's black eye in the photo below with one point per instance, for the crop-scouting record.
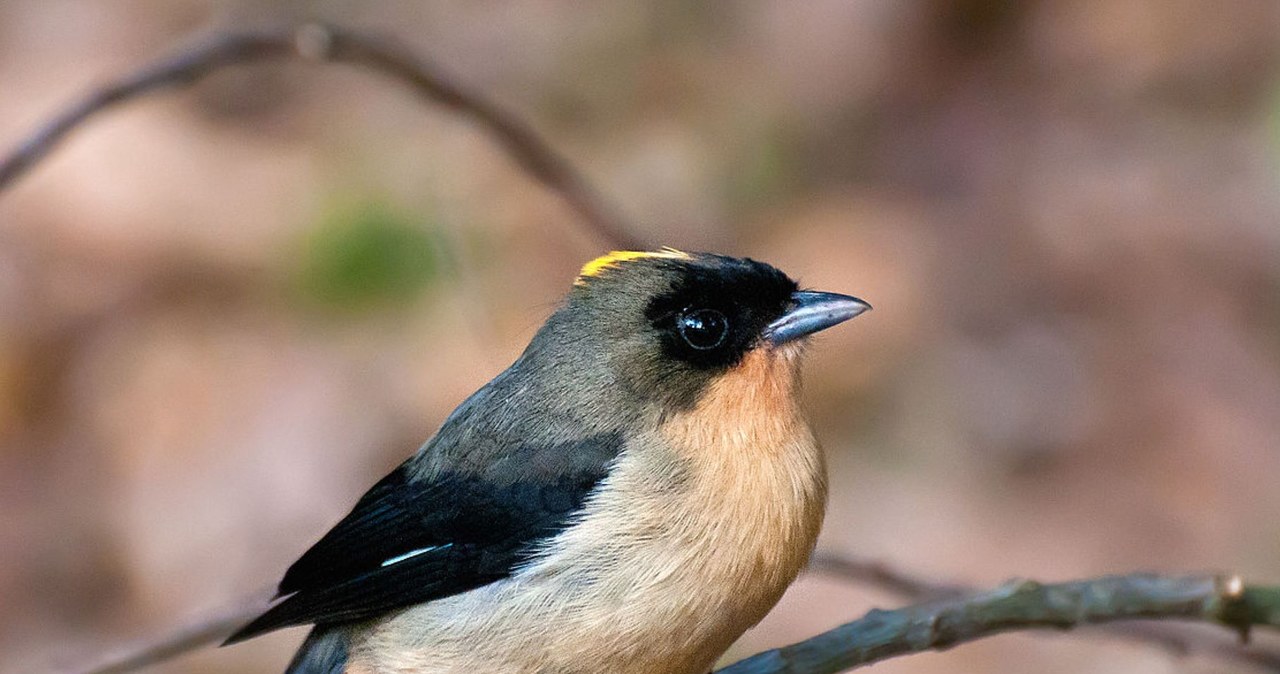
(703, 329)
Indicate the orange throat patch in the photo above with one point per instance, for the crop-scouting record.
(752, 408)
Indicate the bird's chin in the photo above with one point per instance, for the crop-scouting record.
(788, 351)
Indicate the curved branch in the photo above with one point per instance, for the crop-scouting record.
(1019, 605)
(327, 43)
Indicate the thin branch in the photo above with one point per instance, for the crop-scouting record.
(187, 67)
(1179, 640)
(1186, 640)
(195, 634)
(1021, 605)
(327, 43)
(882, 575)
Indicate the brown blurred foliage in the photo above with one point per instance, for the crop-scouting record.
(224, 312)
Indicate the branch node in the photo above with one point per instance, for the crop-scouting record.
(1233, 587)
(313, 41)
(1232, 607)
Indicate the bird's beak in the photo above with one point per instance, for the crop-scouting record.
(810, 312)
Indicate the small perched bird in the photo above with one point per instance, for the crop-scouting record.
(632, 494)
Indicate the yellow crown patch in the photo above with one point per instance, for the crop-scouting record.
(617, 257)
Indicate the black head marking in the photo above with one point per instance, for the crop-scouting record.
(717, 308)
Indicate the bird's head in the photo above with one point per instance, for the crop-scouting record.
(665, 325)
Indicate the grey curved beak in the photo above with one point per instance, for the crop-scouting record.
(812, 311)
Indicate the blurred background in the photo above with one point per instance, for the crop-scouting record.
(226, 311)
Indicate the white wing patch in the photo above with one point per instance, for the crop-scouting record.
(414, 553)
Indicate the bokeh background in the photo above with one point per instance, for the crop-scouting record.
(226, 311)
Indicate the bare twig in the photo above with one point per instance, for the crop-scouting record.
(327, 43)
(202, 632)
(1020, 605)
(1186, 640)
(882, 575)
(1180, 640)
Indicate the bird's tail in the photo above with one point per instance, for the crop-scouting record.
(324, 652)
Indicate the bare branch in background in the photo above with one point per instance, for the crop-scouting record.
(883, 576)
(202, 632)
(326, 43)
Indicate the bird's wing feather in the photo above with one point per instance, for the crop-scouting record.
(410, 541)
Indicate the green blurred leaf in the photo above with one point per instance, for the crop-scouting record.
(367, 256)
(1273, 128)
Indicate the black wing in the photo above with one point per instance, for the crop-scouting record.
(406, 542)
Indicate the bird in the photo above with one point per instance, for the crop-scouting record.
(633, 493)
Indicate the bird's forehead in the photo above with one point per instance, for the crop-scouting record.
(614, 259)
(671, 269)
